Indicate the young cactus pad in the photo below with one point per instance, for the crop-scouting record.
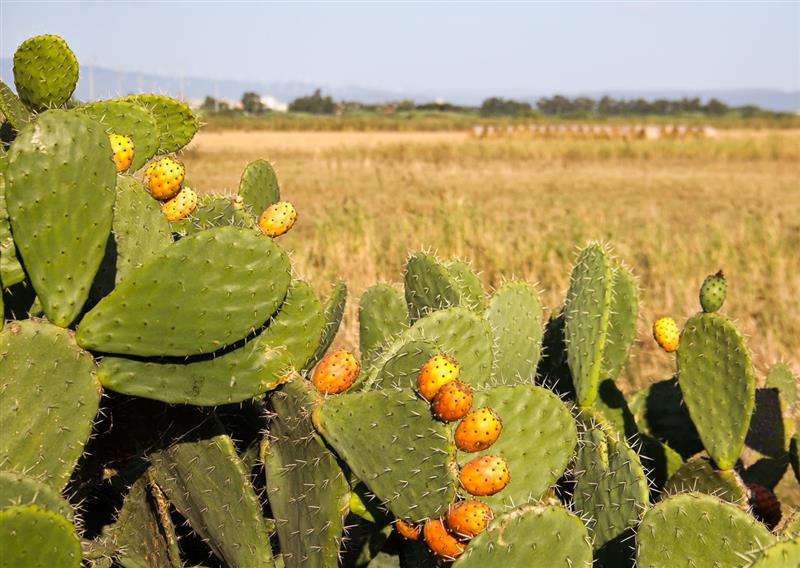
(177, 124)
(45, 72)
(198, 295)
(258, 186)
(17, 489)
(60, 197)
(132, 120)
(33, 537)
(382, 314)
(717, 381)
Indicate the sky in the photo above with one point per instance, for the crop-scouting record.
(414, 46)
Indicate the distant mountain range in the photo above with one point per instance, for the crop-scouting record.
(101, 82)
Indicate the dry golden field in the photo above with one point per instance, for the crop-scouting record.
(674, 211)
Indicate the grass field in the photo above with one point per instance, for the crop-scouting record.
(674, 211)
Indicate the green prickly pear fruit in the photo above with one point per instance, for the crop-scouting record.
(712, 292)
(484, 476)
(452, 402)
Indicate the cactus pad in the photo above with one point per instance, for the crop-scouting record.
(129, 119)
(587, 311)
(516, 318)
(258, 187)
(622, 323)
(17, 489)
(259, 365)
(49, 396)
(13, 109)
(60, 196)
(779, 555)
(177, 124)
(33, 537)
(307, 490)
(215, 211)
(533, 535)
(198, 295)
(393, 445)
(780, 377)
(718, 384)
(334, 310)
(382, 314)
(11, 271)
(402, 369)
(538, 440)
(429, 286)
(45, 72)
(693, 528)
(468, 285)
(699, 476)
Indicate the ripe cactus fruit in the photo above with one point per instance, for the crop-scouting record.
(468, 518)
(485, 475)
(712, 292)
(666, 334)
(478, 430)
(452, 402)
(407, 530)
(163, 178)
(441, 541)
(122, 146)
(277, 219)
(336, 372)
(436, 373)
(766, 507)
(180, 206)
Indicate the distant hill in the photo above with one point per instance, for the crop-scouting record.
(101, 82)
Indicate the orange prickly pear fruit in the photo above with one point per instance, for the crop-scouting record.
(277, 219)
(180, 206)
(468, 518)
(407, 530)
(478, 430)
(163, 178)
(441, 541)
(438, 371)
(336, 372)
(666, 334)
(122, 146)
(485, 475)
(452, 401)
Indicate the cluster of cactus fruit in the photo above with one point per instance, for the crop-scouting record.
(168, 398)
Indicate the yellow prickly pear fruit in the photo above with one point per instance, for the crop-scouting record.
(180, 206)
(436, 373)
(277, 219)
(666, 334)
(163, 178)
(336, 372)
(122, 146)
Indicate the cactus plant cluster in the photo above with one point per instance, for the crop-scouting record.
(168, 397)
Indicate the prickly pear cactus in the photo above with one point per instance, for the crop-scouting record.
(38, 538)
(45, 72)
(382, 314)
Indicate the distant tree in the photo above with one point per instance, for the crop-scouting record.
(715, 107)
(209, 104)
(496, 106)
(251, 103)
(313, 104)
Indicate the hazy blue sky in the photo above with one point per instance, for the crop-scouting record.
(514, 47)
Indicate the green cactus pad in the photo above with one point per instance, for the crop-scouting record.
(402, 369)
(468, 284)
(334, 310)
(779, 555)
(11, 271)
(587, 312)
(789, 529)
(258, 366)
(307, 490)
(611, 405)
(258, 187)
(659, 460)
(215, 211)
(718, 384)
(393, 445)
(13, 109)
(621, 324)
(456, 332)
(771, 425)
(192, 470)
(17, 489)
(131, 120)
(699, 476)
(198, 295)
(611, 487)
(696, 529)
(515, 315)
(177, 124)
(32, 537)
(382, 314)
(780, 377)
(143, 533)
(429, 286)
(533, 535)
(45, 72)
(60, 196)
(140, 228)
(538, 441)
(49, 396)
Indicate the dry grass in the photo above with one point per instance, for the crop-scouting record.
(673, 211)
